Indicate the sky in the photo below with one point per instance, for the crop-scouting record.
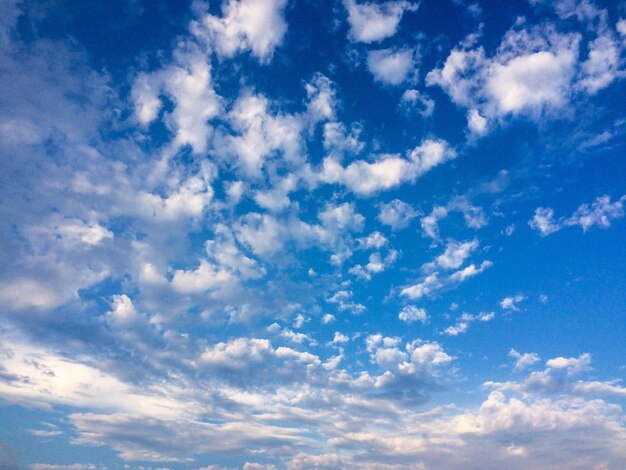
(302, 234)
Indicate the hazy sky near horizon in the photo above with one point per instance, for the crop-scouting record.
(272, 234)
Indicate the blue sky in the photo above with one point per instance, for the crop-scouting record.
(272, 234)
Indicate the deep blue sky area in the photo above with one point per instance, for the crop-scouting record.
(297, 234)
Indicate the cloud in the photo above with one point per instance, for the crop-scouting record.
(159, 225)
(387, 171)
(396, 214)
(599, 213)
(454, 255)
(602, 66)
(465, 320)
(523, 360)
(559, 377)
(372, 22)
(391, 67)
(188, 83)
(259, 134)
(413, 101)
(376, 264)
(436, 276)
(532, 73)
(255, 25)
(474, 216)
(510, 303)
(411, 314)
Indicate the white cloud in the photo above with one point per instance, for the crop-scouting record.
(411, 314)
(469, 271)
(474, 216)
(372, 22)
(387, 171)
(340, 338)
(414, 101)
(602, 65)
(435, 276)
(477, 123)
(396, 214)
(523, 360)
(389, 66)
(454, 255)
(455, 330)
(560, 378)
(338, 140)
(532, 73)
(145, 94)
(23, 293)
(510, 303)
(599, 213)
(255, 25)
(374, 240)
(376, 264)
(259, 134)
(188, 83)
(300, 321)
(464, 321)
(123, 311)
(430, 222)
(532, 82)
(543, 220)
(201, 279)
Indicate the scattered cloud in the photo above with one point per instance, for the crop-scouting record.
(373, 22)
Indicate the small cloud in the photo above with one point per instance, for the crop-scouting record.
(510, 303)
(411, 314)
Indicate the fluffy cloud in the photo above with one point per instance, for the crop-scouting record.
(510, 303)
(255, 25)
(410, 314)
(372, 22)
(599, 213)
(391, 67)
(531, 74)
(474, 216)
(523, 360)
(396, 214)
(189, 84)
(559, 377)
(436, 276)
(465, 320)
(387, 171)
(414, 101)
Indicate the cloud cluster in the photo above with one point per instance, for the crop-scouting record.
(599, 213)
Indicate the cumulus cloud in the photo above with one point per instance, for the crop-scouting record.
(391, 67)
(465, 320)
(372, 22)
(510, 303)
(474, 216)
(412, 101)
(599, 213)
(453, 256)
(188, 83)
(560, 377)
(411, 314)
(437, 274)
(255, 25)
(523, 360)
(139, 248)
(396, 214)
(387, 171)
(532, 73)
